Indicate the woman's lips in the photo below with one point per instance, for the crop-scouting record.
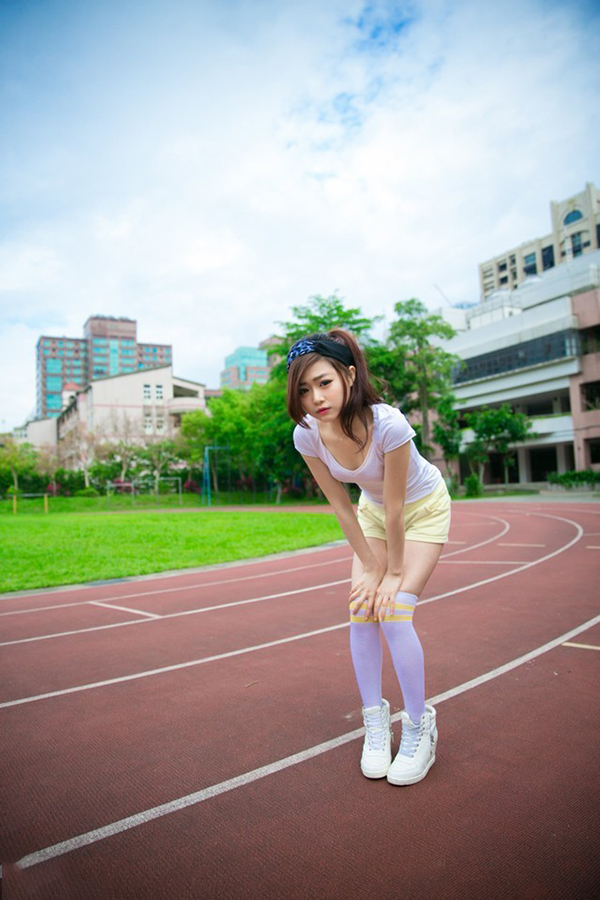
(321, 411)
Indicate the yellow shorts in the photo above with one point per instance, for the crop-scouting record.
(427, 519)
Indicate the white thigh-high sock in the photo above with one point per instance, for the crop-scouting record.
(367, 655)
(407, 654)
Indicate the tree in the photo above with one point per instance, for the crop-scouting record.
(446, 430)
(49, 461)
(270, 434)
(319, 314)
(128, 444)
(496, 430)
(80, 447)
(427, 368)
(158, 456)
(16, 459)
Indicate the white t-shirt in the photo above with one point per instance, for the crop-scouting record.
(390, 430)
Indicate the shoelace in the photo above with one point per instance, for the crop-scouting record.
(411, 738)
(375, 731)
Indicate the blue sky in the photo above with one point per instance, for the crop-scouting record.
(203, 166)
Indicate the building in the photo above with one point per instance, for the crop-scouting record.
(244, 367)
(575, 231)
(538, 348)
(139, 405)
(109, 347)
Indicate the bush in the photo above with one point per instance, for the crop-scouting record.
(473, 486)
(583, 478)
(87, 492)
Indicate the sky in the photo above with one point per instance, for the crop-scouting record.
(204, 165)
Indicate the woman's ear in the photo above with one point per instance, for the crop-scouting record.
(351, 375)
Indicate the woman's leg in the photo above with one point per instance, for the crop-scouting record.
(420, 559)
(365, 639)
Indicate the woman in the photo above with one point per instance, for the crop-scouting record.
(346, 434)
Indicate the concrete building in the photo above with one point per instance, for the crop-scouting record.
(575, 231)
(244, 367)
(147, 403)
(538, 348)
(109, 347)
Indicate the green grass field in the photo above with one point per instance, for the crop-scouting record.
(44, 551)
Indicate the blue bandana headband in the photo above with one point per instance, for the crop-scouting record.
(323, 347)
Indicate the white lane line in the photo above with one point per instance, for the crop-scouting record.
(581, 646)
(109, 600)
(481, 543)
(521, 545)
(528, 565)
(174, 668)
(173, 806)
(225, 581)
(477, 562)
(174, 590)
(297, 637)
(592, 547)
(456, 542)
(177, 615)
(189, 612)
(137, 612)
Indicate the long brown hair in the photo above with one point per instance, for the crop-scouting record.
(356, 401)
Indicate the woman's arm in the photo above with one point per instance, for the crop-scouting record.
(342, 507)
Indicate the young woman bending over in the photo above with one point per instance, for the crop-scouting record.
(345, 433)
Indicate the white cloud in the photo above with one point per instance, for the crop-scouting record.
(205, 167)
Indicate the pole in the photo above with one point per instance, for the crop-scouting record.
(46, 503)
(14, 504)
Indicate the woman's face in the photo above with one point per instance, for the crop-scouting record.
(322, 390)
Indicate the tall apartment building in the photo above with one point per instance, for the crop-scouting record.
(575, 231)
(244, 367)
(109, 347)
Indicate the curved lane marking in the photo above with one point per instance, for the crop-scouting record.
(297, 637)
(174, 590)
(173, 806)
(109, 604)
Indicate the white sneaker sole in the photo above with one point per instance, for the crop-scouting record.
(376, 773)
(412, 779)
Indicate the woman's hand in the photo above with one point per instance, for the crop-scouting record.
(385, 597)
(365, 589)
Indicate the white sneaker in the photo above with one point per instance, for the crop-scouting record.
(377, 748)
(417, 749)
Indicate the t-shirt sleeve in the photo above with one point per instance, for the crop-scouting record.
(394, 431)
(304, 441)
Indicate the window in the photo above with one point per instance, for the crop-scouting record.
(547, 258)
(576, 244)
(54, 365)
(53, 401)
(159, 391)
(594, 448)
(147, 424)
(502, 266)
(560, 345)
(147, 392)
(529, 264)
(590, 340)
(590, 395)
(160, 425)
(53, 383)
(573, 216)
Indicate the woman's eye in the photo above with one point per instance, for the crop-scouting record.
(325, 383)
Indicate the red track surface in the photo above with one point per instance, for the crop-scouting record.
(249, 751)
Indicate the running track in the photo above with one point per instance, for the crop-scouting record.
(199, 735)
